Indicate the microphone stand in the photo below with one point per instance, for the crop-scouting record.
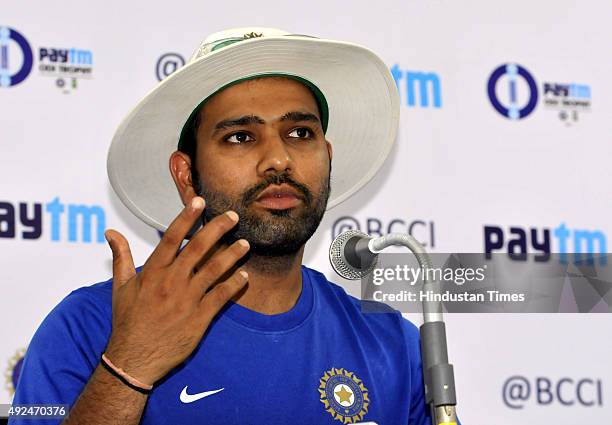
(437, 372)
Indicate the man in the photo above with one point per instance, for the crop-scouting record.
(232, 329)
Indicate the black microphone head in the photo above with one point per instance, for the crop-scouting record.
(338, 255)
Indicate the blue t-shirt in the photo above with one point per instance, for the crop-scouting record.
(322, 362)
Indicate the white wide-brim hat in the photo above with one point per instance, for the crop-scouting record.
(358, 92)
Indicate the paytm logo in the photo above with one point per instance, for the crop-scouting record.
(66, 56)
(513, 92)
(68, 222)
(418, 89)
(573, 90)
(517, 241)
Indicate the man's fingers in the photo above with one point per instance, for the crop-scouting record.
(123, 263)
(219, 264)
(222, 293)
(205, 239)
(165, 251)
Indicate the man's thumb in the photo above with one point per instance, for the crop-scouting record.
(123, 264)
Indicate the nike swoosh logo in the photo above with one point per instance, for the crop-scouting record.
(190, 398)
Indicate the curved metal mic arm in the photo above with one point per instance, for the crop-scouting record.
(437, 372)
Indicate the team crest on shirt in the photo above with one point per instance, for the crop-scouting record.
(13, 370)
(344, 395)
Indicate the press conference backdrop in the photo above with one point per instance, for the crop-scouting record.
(506, 114)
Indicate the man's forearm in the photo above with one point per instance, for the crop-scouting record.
(105, 400)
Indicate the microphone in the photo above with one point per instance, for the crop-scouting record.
(354, 254)
(351, 256)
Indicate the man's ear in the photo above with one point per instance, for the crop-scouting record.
(329, 153)
(180, 168)
(329, 149)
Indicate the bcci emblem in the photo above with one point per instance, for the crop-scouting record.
(13, 371)
(344, 395)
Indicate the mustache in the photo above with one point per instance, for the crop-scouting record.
(252, 193)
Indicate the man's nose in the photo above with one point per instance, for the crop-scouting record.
(275, 157)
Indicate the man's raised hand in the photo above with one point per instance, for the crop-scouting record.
(161, 313)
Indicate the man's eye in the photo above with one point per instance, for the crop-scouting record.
(239, 137)
(301, 133)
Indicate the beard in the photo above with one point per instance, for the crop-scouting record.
(271, 233)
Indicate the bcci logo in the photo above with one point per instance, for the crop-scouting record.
(512, 91)
(16, 57)
(344, 395)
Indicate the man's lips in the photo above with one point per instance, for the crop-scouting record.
(279, 197)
